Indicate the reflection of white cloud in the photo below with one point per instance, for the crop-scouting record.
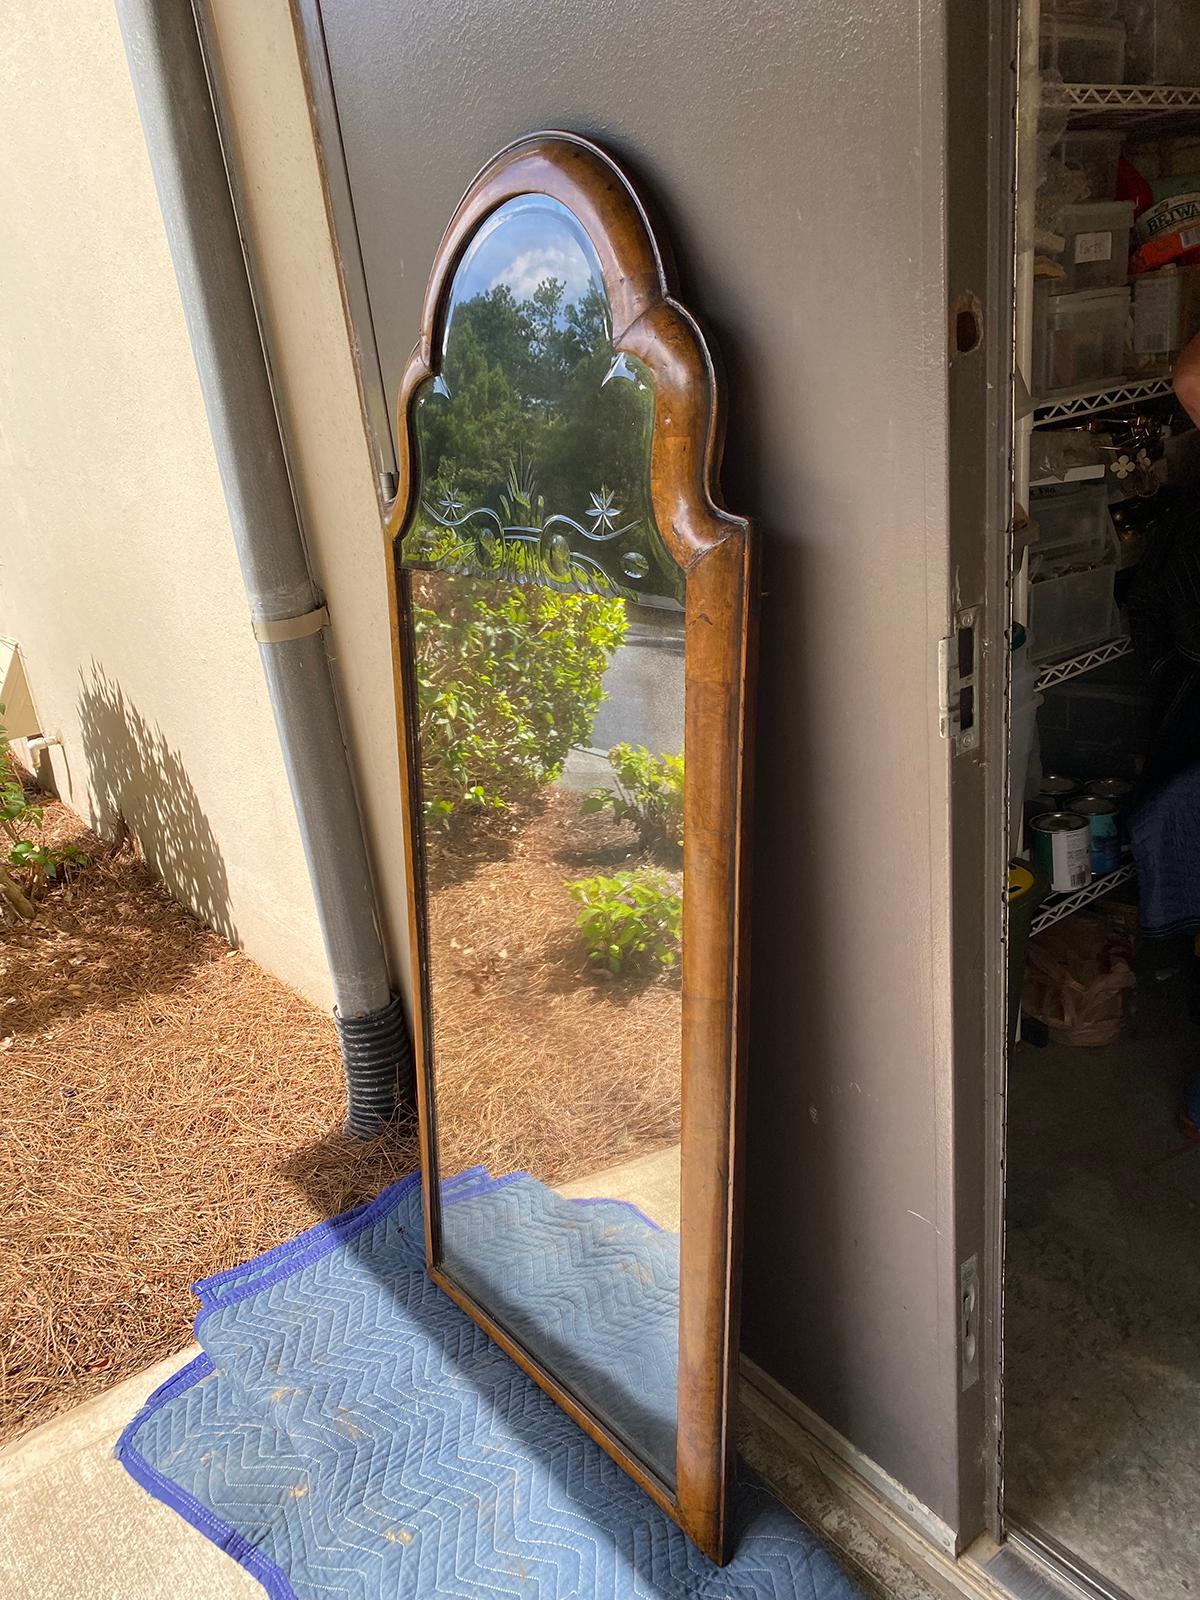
(526, 271)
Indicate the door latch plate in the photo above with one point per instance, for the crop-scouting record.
(958, 705)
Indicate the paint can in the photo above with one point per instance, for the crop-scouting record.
(1055, 793)
(1059, 842)
(1104, 836)
(1118, 790)
(1059, 789)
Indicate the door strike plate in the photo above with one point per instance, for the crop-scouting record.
(958, 707)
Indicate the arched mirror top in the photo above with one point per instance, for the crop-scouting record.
(532, 441)
(558, 417)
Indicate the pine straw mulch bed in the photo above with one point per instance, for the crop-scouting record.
(169, 1110)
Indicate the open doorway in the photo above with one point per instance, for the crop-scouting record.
(1101, 1475)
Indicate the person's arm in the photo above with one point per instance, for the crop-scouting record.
(1186, 379)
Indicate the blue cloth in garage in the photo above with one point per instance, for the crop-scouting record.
(1164, 834)
(348, 1431)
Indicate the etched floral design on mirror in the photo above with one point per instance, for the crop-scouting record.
(547, 626)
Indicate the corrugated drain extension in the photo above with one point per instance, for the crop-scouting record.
(380, 1082)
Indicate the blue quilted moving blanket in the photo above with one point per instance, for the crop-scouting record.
(349, 1432)
(1164, 834)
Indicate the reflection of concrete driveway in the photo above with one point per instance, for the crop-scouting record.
(643, 703)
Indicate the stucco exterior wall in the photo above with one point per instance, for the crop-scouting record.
(118, 575)
(272, 145)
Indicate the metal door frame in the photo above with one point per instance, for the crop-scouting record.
(980, 256)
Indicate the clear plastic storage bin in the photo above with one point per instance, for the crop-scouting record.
(1162, 42)
(1097, 249)
(1072, 610)
(1074, 522)
(1081, 50)
(1166, 314)
(1094, 152)
(1078, 339)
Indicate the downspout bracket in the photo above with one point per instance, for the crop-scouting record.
(279, 630)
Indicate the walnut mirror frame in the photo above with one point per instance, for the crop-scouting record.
(711, 570)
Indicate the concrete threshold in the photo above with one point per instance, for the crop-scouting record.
(75, 1526)
(649, 1182)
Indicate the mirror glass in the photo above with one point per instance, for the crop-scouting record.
(547, 653)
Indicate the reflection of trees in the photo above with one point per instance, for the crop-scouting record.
(532, 390)
(526, 382)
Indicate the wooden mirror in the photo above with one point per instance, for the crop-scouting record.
(573, 640)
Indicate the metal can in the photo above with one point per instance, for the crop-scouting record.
(1058, 788)
(1104, 837)
(1050, 800)
(1059, 841)
(1118, 790)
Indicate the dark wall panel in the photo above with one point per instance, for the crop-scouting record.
(796, 151)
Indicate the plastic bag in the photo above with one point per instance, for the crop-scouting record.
(1076, 977)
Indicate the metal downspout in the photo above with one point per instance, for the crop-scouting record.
(167, 67)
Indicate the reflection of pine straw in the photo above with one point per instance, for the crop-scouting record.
(539, 1064)
(169, 1110)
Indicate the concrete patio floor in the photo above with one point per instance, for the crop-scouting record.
(75, 1526)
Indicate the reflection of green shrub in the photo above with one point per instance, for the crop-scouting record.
(649, 794)
(508, 679)
(630, 922)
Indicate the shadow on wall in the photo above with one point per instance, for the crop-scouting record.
(141, 789)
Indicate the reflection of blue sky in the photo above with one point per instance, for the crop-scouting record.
(524, 242)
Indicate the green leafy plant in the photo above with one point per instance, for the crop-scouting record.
(631, 922)
(508, 679)
(649, 794)
(25, 862)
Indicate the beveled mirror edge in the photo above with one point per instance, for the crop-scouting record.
(715, 549)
